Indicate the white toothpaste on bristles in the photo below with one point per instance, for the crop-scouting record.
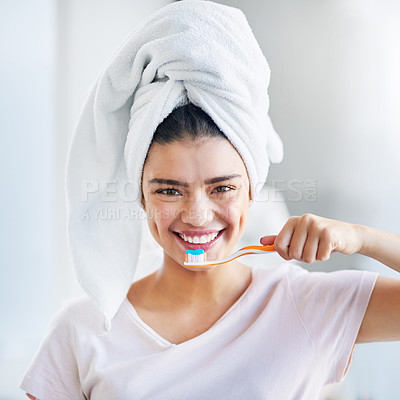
(195, 256)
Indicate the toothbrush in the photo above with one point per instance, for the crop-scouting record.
(197, 258)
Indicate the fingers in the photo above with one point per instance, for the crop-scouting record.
(298, 241)
(304, 239)
(282, 241)
(325, 247)
(310, 252)
(267, 240)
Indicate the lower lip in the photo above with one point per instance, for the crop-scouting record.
(205, 246)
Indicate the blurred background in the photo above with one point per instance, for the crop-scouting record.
(335, 99)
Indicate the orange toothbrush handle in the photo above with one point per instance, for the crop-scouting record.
(269, 247)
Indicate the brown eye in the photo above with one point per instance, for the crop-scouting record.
(223, 189)
(168, 192)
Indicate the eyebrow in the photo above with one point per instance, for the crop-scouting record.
(211, 181)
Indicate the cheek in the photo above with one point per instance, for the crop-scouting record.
(235, 212)
(160, 214)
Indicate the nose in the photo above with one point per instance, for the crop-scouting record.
(198, 211)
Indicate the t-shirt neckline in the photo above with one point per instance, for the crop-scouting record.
(161, 340)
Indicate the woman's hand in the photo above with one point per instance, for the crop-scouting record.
(311, 238)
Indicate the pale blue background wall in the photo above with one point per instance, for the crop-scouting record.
(26, 140)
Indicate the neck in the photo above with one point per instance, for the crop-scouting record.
(181, 287)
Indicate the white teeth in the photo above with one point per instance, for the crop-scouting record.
(199, 240)
(203, 239)
(212, 236)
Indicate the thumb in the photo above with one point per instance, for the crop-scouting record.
(269, 239)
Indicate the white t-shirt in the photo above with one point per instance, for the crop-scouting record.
(290, 333)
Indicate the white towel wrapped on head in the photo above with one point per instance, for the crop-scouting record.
(190, 51)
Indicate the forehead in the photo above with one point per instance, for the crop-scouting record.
(192, 160)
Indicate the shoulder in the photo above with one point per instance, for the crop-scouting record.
(302, 282)
(349, 282)
(79, 313)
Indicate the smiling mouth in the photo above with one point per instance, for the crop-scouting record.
(201, 240)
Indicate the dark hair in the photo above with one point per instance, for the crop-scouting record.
(186, 122)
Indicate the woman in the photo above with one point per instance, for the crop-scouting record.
(231, 332)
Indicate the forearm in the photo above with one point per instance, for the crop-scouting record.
(381, 246)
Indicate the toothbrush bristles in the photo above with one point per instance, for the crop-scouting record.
(195, 256)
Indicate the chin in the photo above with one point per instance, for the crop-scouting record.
(199, 269)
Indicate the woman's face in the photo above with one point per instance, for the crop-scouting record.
(196, 195)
